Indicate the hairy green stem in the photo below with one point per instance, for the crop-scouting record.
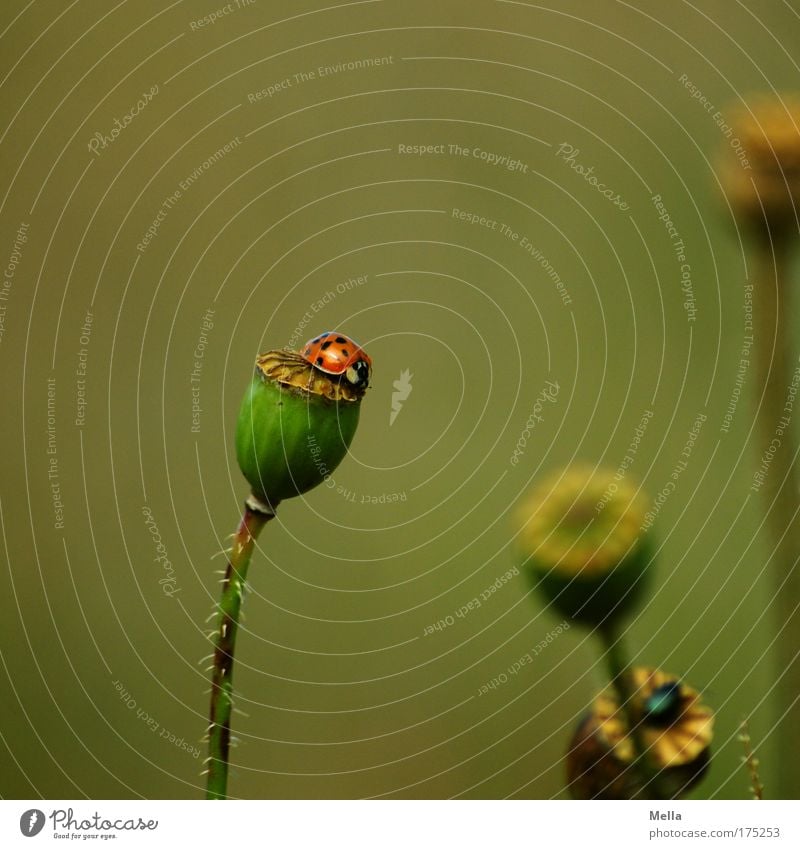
(219, 728)
(775, 366)
(619, 671)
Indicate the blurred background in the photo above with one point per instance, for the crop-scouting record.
(486, 196)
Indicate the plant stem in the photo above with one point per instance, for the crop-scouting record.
(751, 761)
(775, 365)
(619, 670)
(219, 728)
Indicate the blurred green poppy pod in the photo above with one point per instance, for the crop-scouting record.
(297, 421)
(677, 730)
(581, 543)
(760, 173)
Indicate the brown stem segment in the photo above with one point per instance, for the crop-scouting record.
(219, 728)
(777, 479)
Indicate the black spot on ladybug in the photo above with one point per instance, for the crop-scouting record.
(345, 352)
(326, 345)
(319, 361)
(341, 340)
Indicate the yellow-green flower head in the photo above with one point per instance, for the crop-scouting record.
(580, 539)
(761, 174)
(677, 731)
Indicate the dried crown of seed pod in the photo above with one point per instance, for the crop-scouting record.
(581, 543)
(677, 727)
(295, 425)
(765, 195)
(677, 730)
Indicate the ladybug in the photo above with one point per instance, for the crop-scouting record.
(336, 354)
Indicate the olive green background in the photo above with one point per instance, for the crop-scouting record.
(343, 694)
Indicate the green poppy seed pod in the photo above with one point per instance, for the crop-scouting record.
(677, 730)
(581, 543)
(295, 425)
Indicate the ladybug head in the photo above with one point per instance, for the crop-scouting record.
(357, 374)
